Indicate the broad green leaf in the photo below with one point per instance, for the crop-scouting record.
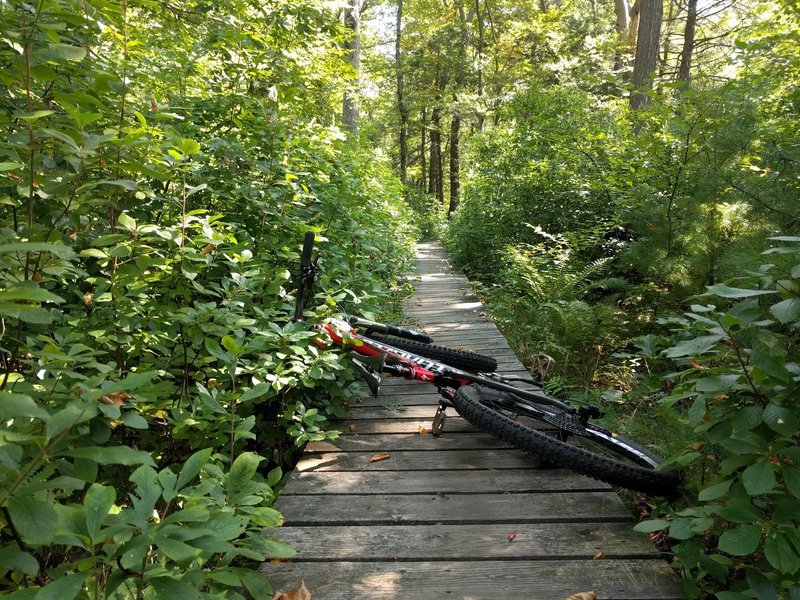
(256, 391)
(10, 166)
(242, 471)
(32, 117)
(739, 510)
(781, 419)
(759, 478)
(176, 550)
(57, 249)
(693, 347)
(17, 560)
(126, 221)
(716, 383)
(791, 477)
(264, 516)
(65, 52)
(29, 294)
(256, 583)
(130, 383)
(19, 405)
(35, 520)
(787, 310)
(763, 588)
(712, 492)
(781, 554)
(747, 418)
(229, 343)
(112, 455)
(651, 525)
(134, 420)
(192, 467)
(63, 588)
(170, 588)
(771, 365)
(741, 541)
(97, 504)
(724, 291)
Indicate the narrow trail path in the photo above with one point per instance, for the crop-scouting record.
(462, 516)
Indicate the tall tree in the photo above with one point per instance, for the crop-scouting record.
(402, 109)
(651, 12)
(685, 68)
(350, 108)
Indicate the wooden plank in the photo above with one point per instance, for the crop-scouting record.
(416, 441)
(479, 579)
(366, 426)
(450, 481)
(392, 509)
(531, 541)
(418, 460)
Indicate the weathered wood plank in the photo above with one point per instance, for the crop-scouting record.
(450, 481)
(563, 541)
(418, 461)
(415, 441)
(365, 426)
(391, 509)
(479, 579)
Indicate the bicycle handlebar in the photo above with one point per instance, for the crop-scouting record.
(307, 275)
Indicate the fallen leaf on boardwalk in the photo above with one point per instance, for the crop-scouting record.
(300, 593)
(422, 430)
(114, 398)
(600, 556)
(583, 596)
(379, 456)
(511, 536)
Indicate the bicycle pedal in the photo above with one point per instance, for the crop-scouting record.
(438, 421)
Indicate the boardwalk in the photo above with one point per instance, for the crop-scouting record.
(462, 516)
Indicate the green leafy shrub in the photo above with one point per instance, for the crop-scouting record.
(740, 372)
(541, 299)
(154, 193)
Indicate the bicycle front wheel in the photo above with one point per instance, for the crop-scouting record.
(586, 449)
(466, 361)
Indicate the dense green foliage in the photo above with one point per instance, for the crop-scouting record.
(159, 169)
(740, 366)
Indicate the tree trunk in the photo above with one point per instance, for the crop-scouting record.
(401, 106)
(455, 151)
(685, 68)
(350, 109)
(647, 44)
(671, 15)
(435, 171)
(622, 10)
(422, 144)
(480, 49)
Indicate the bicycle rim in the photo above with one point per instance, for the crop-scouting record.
(561, 439)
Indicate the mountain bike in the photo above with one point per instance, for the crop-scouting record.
(512, 408)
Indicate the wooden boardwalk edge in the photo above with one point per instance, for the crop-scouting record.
(460, 516)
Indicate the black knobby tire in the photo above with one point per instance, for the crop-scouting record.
(474, 404)
(467, 361)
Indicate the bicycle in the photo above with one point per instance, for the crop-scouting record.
(512, 408)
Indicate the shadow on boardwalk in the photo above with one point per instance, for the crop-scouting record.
(462, 516)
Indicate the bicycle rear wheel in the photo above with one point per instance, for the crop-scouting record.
(467, 361)
(596, 452)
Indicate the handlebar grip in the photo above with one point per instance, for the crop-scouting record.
(308, 246)
(408, 334)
